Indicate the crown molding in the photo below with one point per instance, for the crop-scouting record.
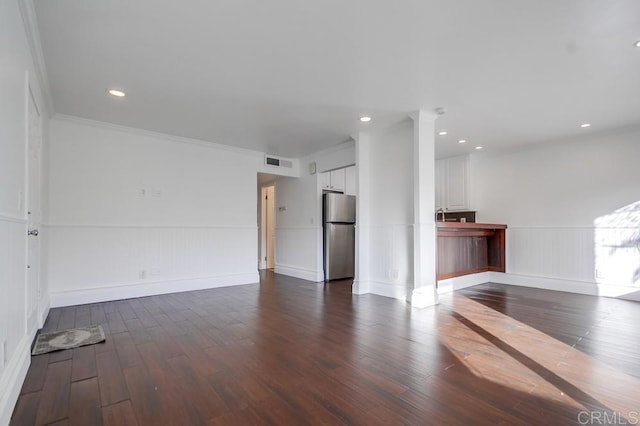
(30, 21)
(157, 135)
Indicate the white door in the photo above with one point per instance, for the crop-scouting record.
(271, 227)
(34, 292)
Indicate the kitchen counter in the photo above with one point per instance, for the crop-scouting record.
(469, 248)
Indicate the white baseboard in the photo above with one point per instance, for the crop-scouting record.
(389, 289)
(571, 286)
(126, 291)
(43, 310)
(458, 283)
(360, 287)
(13, 378)
(297, 272)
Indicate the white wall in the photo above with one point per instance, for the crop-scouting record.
(559, 202)
(391, 211)
(123, 201)
(17, 71)
(299, 215)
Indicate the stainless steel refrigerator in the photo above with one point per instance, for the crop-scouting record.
(339, 218)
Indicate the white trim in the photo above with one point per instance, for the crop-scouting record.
(30, 23)
(424, 296)
(43, 309)
(148, 288)
(112, 226)
(12, 219)
(14, 375)
(158, 135)
(297, 272)
(361, 287)
(389, 289)
(571, 286)
(458, 283)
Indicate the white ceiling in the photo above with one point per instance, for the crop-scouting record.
(291, 77)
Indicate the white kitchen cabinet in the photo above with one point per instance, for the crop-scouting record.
(439, 181)
(325, 180)
(350, 182)
(452, 183)
(333, 180)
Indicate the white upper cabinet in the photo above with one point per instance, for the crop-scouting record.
(350, 183)
(325, 180)
(333, 180)
(452, 183)
(439, 181)
(338, 179)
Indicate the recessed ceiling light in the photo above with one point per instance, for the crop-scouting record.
(585, 125)
(117, 93)
(478, 147)
(637, 43)
(442, 133)
(462, 141)
(365, 119)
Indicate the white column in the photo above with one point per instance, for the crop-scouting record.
(363, 207)
(424, 232)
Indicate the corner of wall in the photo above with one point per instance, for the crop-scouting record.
(13, 377)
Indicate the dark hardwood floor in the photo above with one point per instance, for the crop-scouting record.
(291, 352)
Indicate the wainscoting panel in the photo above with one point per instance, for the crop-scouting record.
(14, 336)
(299, 252)
(84, 258)
(391, 254)
(561, 253)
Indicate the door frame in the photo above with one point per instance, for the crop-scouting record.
(34, 310)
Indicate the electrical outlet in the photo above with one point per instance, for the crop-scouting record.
(142, 274)
(599, 273)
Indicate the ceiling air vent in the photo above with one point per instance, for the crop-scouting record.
(277, 162)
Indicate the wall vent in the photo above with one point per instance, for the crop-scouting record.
(272, 161)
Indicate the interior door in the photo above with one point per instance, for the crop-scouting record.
(271, 227)
(34, 214)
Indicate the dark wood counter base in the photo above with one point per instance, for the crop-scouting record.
(470, 248)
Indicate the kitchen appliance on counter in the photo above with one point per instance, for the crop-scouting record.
(339, 218)
(455, 216)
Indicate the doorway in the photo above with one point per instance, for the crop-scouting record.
(266, 221)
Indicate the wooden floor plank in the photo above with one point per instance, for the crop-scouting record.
(54, 400)
(84, 363)
(36, 374)
(112, 384)
(286, 351)
(26, 409)
(119, 414)
(85, 407)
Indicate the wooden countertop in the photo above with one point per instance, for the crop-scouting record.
(467, 225)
